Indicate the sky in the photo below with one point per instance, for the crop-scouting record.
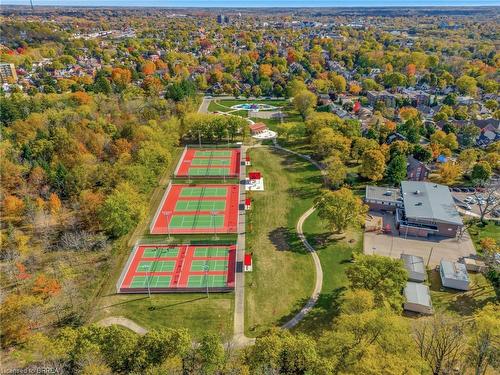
(257, 3)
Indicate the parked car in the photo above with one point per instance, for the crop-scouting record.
(465, 206)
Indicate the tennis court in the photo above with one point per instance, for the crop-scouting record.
(179, 268)
(196, 163)
(151, 281)
(200, 281)
(208, 171)
(155, 266)
(200, 205)
(210, 265)
(190, 209)
(203, 192)
(212, 251)
(212, 153)
(208, 162)
(196, 221)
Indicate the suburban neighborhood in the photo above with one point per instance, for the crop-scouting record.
(255, 190)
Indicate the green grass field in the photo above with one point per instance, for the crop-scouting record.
(193, 311)
(283, 272)
(480, 231)
(461, 303)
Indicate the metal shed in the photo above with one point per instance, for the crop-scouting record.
(418, 298)
(454, 275)
(415, 267)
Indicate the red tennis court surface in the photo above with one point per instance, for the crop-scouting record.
(179, 268)
(209, 163)
(191, 209)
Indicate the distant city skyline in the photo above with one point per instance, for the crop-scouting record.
(257, 3)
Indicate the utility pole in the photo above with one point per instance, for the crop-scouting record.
(213, 222)
(167, 214)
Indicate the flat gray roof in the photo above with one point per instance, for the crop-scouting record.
(429, 201)
(413, 263)
(454, 270)
(382, 194)
(418, 293)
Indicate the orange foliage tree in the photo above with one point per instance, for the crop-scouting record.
(13, 206)
(45, 286)
(148, 68)
(54, 203)
(121, 76)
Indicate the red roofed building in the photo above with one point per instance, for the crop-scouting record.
(247, 263)
(257, 128)
(248, 203)
(254, 175)
(247, 160)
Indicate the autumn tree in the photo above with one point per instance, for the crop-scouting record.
(340, 209)
(466, 85)
(384, 276)
(326, 140)
(148, 68)
(449, 172)
(373, 165)
(280, 352)
(304, 102)
(367, 339)
(13, 206)
(336, 171)
(122, 210)
(484, 347)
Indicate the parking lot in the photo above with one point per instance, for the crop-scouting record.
(467, 201)
(432, 249)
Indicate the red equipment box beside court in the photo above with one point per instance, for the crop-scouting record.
(179, 268)
(193, 209)
(209, 163)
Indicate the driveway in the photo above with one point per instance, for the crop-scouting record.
(432, 249)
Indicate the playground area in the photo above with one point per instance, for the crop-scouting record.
(254, 107)
(209, 163)
(197, 209)
(178, 268)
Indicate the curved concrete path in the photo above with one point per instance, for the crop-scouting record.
(319, 274)
(124, 322)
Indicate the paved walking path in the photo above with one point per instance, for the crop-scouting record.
(239, 338)
(319, 274)
(124, 322)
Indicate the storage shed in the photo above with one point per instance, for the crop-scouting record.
(454, 275)
(474, 265)
(415, 267)
(417, 298)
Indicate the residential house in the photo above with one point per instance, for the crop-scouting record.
(416, 170)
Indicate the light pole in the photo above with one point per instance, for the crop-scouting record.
(213, 213)
(205, 268)
(167, 214)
